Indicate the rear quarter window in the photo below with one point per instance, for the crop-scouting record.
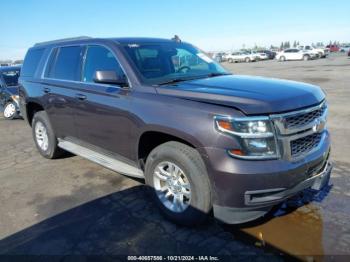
(31, 62)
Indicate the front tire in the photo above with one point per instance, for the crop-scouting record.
(179, 183)
(247, 60)
(44, 136)
(306, 58)
(230, 60)
(282, 59)
(10, 110)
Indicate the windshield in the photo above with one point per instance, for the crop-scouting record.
(160, 63)
(11, 77)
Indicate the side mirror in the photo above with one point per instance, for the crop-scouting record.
(109, 77)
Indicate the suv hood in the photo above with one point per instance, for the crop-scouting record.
(251, 95)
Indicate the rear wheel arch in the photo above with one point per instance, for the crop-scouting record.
(44, 136)
(32, 108)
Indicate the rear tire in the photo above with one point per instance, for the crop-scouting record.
(247, 60)
(44, 136)
(230, 60)
(282, 58)
(306, 58)
(173, 170)
(10, 110)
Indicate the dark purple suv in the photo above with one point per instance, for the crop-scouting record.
(162, 110)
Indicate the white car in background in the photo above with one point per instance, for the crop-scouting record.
(295, 54)
(259, 55)
(319, 52)
(241, 57)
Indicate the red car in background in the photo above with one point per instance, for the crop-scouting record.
(333, 48)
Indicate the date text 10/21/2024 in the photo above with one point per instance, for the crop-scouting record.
(173, 258)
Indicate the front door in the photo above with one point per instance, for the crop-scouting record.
(102, 113)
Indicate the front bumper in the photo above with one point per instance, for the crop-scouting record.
(244, 190)
(260, 202)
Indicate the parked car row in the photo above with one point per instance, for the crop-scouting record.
(306, 52)
(248, 56)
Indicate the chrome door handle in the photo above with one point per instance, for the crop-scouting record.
(47, 90)
(80, 96)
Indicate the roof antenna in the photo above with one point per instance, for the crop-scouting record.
(176, 38)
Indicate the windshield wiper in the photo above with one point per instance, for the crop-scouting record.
(217, 74)
(175, 80)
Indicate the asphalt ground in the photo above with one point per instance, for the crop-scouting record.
(71, 206)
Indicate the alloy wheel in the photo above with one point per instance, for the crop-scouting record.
(172, 186)
(41, 136)
(9, 110)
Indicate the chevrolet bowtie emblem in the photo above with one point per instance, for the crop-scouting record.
(318, 125)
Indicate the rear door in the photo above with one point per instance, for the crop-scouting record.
(102, 114)
(60, 84)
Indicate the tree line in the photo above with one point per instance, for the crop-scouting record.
(288, 44)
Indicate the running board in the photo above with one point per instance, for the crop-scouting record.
(101, 159)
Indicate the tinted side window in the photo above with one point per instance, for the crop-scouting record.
(31, 62)
(51, 63)
(99, 58)
(67, 63)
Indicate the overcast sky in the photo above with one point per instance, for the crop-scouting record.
(210, 25)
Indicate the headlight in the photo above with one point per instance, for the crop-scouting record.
(255, 135)
(15, 97)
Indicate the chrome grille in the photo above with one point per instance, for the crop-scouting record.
(300, 132)
(304, 144)
(305, 118)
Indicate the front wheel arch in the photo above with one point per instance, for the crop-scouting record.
(150, 139)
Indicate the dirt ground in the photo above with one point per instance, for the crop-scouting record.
(72, 206)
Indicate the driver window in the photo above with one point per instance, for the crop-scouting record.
(99, 58)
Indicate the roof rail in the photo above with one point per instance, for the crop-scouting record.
(63, 40)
